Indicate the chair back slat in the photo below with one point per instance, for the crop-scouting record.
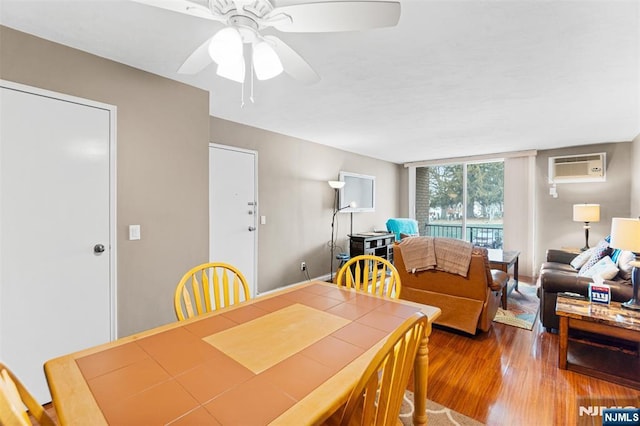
(195, 289)
(206, 288)
(216, 288)
(225, 287)
(372, 274)
(377, 398)
(15, 400)
(210, 292)
(236, 290)
(188, 305)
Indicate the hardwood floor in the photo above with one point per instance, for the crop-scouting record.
(509, 376)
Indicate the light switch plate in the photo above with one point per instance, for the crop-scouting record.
(134, 232)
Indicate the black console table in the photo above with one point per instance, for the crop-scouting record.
(375, 243)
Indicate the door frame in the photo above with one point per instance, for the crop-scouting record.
(112, 109)
(257, 206)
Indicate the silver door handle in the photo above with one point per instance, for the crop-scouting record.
(252, 228)
(98, 248)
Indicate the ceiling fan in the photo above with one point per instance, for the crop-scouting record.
(269, 56)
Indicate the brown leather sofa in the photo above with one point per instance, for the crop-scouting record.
(557, 276)
(467, 303)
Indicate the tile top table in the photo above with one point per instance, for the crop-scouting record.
(291, 357)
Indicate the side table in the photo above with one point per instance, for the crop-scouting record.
(608, 362)
(503, 260)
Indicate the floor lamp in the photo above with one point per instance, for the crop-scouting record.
(336, 185)
(625, 235)
(586, 213)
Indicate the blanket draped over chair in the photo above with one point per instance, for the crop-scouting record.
(444, 254)
(452, 275)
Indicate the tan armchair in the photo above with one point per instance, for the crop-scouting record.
(467, 303)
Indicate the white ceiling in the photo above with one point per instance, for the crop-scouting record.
(454, 78)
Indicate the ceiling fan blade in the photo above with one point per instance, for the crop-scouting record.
(292, 62)
(336, 16)
(198, 60)
(183, 6)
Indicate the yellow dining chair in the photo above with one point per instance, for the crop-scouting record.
(14, 397)
(371, 274)
(378, 396)
(208, 287)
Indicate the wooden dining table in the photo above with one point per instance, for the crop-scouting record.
(291, 357)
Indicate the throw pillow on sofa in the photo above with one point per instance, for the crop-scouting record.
(582, 258)
(624, 260)
(615, 253)
(599, 251)
(604, 267)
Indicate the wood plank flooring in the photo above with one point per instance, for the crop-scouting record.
(509, 376)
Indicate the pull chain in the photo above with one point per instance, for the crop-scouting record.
(242, 95)
(252, 77)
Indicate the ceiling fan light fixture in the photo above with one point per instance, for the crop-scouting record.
(232, 70)
(266, 62)
(226, 46)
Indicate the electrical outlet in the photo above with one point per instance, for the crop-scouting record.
(303, 266)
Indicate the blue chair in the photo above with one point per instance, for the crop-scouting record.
(403, 226)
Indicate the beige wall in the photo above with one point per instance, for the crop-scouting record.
(635, 177)
(162, 140)
(554, 223)
(162, 162)
(294, 196)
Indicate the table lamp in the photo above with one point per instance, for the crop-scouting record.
(625, 235)
(586, 213)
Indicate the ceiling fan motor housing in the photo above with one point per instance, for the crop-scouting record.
(257, 8)
(247, 27)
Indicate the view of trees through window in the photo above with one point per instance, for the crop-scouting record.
(462, 199)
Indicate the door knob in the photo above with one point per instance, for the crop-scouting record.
(98, 248)
(252, 228)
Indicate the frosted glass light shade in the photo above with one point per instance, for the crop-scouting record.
(233, 70)
(625, 234)
(336, 184)
(226, 46)
(586, 212)
(266, 62)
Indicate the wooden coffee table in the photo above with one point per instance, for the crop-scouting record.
(503, 260)
(603, 359)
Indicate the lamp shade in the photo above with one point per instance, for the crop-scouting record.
(226, 46)
(586, 212)
(625, 234)
(336, 184)
(265, 61)
(233, 70)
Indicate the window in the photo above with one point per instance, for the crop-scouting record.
(466, 199)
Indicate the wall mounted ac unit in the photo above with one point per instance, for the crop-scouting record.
(578, 168)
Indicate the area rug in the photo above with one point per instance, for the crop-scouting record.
(437, 415)
(522, 307)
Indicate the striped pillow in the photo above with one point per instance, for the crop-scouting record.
(600, 251)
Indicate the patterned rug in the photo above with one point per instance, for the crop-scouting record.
(522, 307)
(437, 415)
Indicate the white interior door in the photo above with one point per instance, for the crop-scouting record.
(56, 287)
(233, 209)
